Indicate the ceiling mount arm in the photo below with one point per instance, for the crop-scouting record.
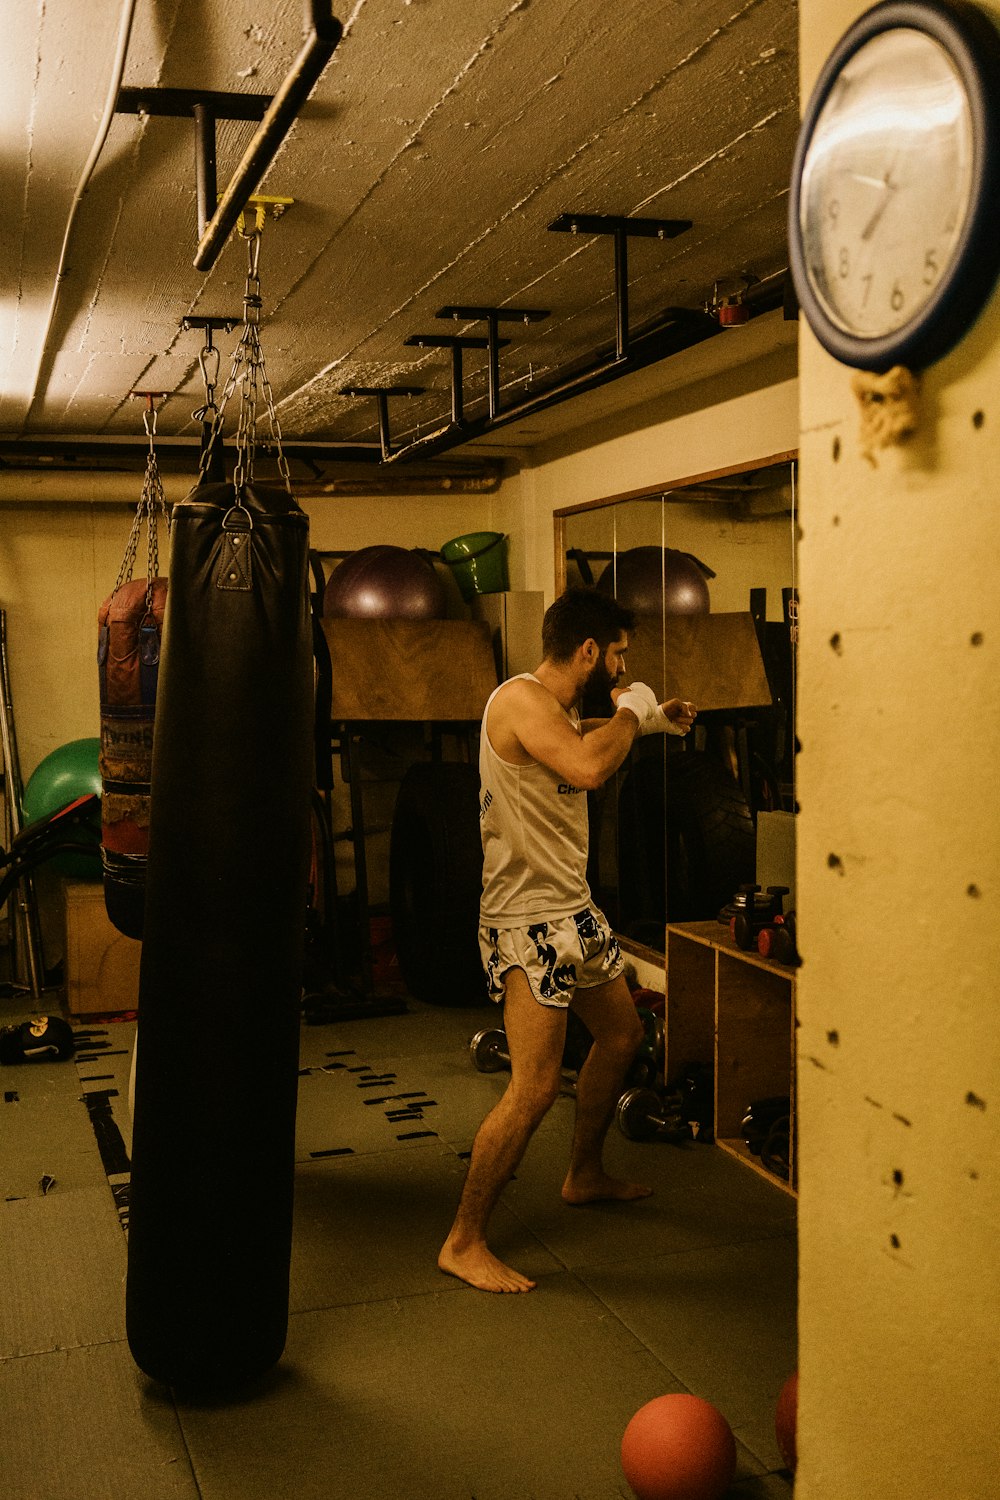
(321, 40)
(382, 394)
(493, 317)
(621, 227)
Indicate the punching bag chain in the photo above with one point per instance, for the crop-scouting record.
(208, 362)
(152, 502)
(250, 372)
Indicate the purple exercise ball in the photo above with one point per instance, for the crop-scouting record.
(385, 583)
(657, 580)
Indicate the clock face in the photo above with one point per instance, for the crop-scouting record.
(886, 184)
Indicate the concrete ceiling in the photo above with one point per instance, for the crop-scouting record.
(441, 141)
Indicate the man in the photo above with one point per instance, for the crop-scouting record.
(545, 946)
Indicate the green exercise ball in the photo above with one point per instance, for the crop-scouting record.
(67, 773)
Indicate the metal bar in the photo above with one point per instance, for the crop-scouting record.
(26, 905)
(205, 170)
(494, 365)
(446, 341)
(657, 229)
(621, 293)
(385, 441)
(456, 384)
(502, 314)
(324, 34)
(179, 103)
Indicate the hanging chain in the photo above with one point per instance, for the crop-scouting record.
(250, 372)
(152, 502)
(208, 361)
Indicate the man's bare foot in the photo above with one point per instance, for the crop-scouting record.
(599, 1187)
(480, 1268)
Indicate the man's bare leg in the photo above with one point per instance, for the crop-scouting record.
(535, 1038)
(609, 1013)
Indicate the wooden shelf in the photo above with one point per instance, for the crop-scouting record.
(742, 1152)
(734, 1011)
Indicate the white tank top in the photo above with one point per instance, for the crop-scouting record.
(534, 830)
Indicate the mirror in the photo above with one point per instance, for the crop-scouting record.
(708, 567)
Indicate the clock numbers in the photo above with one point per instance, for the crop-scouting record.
(896, 179)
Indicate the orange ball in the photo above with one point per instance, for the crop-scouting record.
(785, 1415)
(679, 1448)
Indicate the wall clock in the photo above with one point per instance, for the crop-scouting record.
(894, 218)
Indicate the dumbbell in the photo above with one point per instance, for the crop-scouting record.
(489, 1049)
(777, 941)
(756, 911)
(644, 1116)
(490, 1053)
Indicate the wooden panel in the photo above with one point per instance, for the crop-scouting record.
(410, 669)
(753, 1026)
(712, 660)
(690, 1004)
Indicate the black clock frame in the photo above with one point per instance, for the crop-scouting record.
(973, 45)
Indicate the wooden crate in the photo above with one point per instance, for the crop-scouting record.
(735, 1010)
(102, 964)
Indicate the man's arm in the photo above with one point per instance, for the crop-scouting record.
(526, 722)
(678, 713)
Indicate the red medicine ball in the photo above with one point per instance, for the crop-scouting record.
(385, 583)
(679, 1448)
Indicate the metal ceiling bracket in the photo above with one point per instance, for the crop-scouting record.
(205, 107)
(621, 228)
(195, 320)
(382, 394)
(493, 317)
(456, 343)
(321, 40)
(217, 214)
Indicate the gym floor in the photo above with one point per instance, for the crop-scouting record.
(397, 1383)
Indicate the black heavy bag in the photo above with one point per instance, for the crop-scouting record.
(220, 979)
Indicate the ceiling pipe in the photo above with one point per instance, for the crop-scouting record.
(117, 73)
(683, 329)
(321, 40)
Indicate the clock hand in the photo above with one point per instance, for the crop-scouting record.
(883, 203)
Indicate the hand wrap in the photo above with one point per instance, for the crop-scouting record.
(642, 701)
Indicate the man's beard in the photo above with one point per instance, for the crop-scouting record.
(600, 682)
(595, 699)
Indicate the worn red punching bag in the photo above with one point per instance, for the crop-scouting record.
(220, 981)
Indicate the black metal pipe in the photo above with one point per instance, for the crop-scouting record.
(456, 384)
(621, 293)
(492, 322)
(205, 170)
(384, 437)
(322, 38)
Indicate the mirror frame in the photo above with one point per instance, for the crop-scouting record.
(650, 492)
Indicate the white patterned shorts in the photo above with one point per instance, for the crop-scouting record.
(571, 953)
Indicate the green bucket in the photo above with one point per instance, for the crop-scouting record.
(479, 563)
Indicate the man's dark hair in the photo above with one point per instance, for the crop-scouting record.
(579, 615)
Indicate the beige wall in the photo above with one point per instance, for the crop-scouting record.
(898, 887)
